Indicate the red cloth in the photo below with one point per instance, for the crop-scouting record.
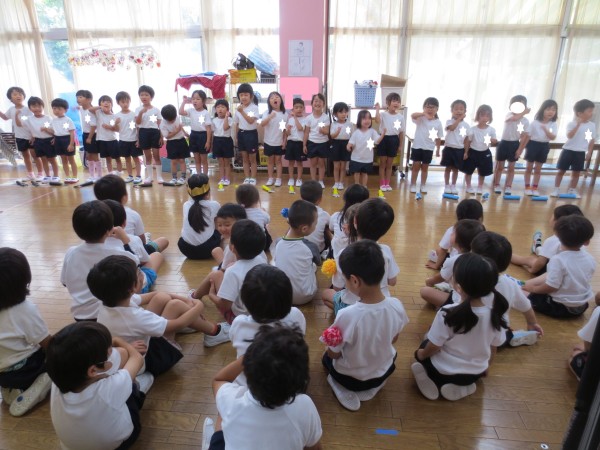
(216, 83)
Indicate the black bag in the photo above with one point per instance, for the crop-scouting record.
(241, 62)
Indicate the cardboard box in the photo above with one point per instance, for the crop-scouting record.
(391, 84)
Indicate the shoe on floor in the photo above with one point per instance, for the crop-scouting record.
(470, 190)
(341, 186)
(173, 181)
(246, 181)
(137, 180)
(447, 189)
(226, 182)
(277, 182)
(433, 257)
(181, 181)
(129, 179)
(9, 394)
(145, 381)
(253, 181)
(497, 189)
(369, 394)
(555, 192)
(455, 392)
(423, 189)
(208, 429)
(299, 182)
(322, 184)
(453, 190)
(528, 192)
(221, 337)
(536, 193)
(269, 182)
(507, 190)
(571, 191)
(537, 241)
(479, 191)
(522, 337)
(424, 383)
(291, 182)
(32, 396)
(413, 188)
(348, 399)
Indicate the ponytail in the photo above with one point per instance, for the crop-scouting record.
(461, 318)
(499, 308)
(196, 216)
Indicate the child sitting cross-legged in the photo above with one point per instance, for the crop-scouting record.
(579, 356)
(312, 192)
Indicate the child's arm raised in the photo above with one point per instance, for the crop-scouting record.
(227, 374)
(417, 115)
(135, 360)
(377, 117)
(186, 101)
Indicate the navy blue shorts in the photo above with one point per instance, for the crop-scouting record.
(43, 148)
(273, 150)
(506, 151)
(202, 251)
(421, 155)
(482, 161)
(149, 138)
(360, 167)
(294, 151)
(537, 151)
(128, 148)
(92, 147)
(23, 144)
(339, 150)
(23, 377)
(452, 157)
(108, 149)
(571, 160)
(352, 383)
(247, 141)
(198, 142)
(61, 145)
(544, 304)
(388, 146)
(222, 147)
(177, 149)
(320, 150)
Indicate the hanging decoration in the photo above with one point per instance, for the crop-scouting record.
(111, 58)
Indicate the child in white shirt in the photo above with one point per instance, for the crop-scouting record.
(148, 119)
(88, 133)
(106, 134)
(247, 196)
(340, 131)
(63, 130)
(274, 122)
(579, 356)
(428, 135)
(477, 149)
(172, 130)
(454, 146)
(312, 192)
(355, 194)
(316, 138)
(246, 132)
(222, 145)
(392, 121)
(294, 150)
(361, 145)
(201, 128)
(128, 137)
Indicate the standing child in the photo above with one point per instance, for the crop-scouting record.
(247, 196)
(177, 146)
(542, 130)
(581, 136)
(392, 121)
(454, 147)
(340, 132)
(361, 145)
(428, 136)
(514, 139)
(106, 135)
(88, 128)
(24, 339)
(63, 130)
(198, 234)
(463, 337)
(479, 138)
(222, 145)
(360, 364)
(294, 153)
(316, 138)
(312, 192)
(246, 134)
(201, 128)
(128, 148)
(147, 118)
(274, 122)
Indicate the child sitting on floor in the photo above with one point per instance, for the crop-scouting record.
(579, 356)
(247, 196)
(312, 192)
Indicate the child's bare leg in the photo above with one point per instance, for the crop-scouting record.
(54, 165)
(156, 260)
(468, 180)
(218, 254)
(424, 173)
(270, 163)
(27, 161)
(388, 170)
(416, 167)
(65, 165)
(156, 301)
(558, 179)
(197, 162)
(227, 168)
(574, 179)
(38, 163)
(109, 165)
(434, 296)
(527, 175)
(356, 177)
(175, 308)
(510, 174)
(322, 163)
(162, 243)
(313, 168)
(73, 164)
(216, 277)
(204, 162)
(537, 173)
(498, 169)
(253, 164)
(123, 354)
(45, 165)
(447, 175)
(246, 164)
(327, 296)
(278, 168)
(364, 178)
(128, 165)
(454, 175)
(481, 181)
(119, 164)
(382, 163)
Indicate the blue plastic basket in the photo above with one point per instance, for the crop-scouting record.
(364, 96)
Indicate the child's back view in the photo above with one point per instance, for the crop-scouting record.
(312, 192)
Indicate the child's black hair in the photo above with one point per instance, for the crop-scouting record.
(221, 102)
(35, 101)
(493, 246)
(469, 208)
(547, 104)
(458, 102)
(110, 187)
(465, 231)
(355, 193)
(267, 293)
(59, 103)
(92, 220)
(202, 96)
(15, 277)
(147, 90)
(392, 97)
(363, 259)
(245, 88)
(233, 211)
(484, 109)
(122, 95)
(14, 89)
(573, 231)
(349, 216)
(566, 210)
(320, 97)
(199, 189)
(246, 195)
(339, 107)
(105, 98)
(302, 213)
(113, 279)
(297, 101)
(519, 99)
(477, 277)
(281, 106)
(433, 102)
(374, 219)
(169, 113)
(118, 212)
(276, 365)
(311, 191)
(73, 350)
(84, 93)
(248, 238)
(582, 105)
(361, 115)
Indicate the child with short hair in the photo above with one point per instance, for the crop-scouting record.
(294, 152)
(91, 405)
(148, 119)
(340, 131)
(515, 137)
(24, 339)
(360, 364)
(542, 130)
(392, 121)
(428, 135)
(246, 115)
(356, 193)
(542, 252)
(88, 129)
(463, 337)
(128, 137)
(564, 290)
(247, 196)
(477, 149)
(312, 192)
(201, 135)
(106, 135)
(361, 145)
(177, 145)
(316, 138)
(274, 122)
(222, 144)
(274, 408)
(454, 146)
(578, 358)
(581, 136)
(297, 256)
(63, 130)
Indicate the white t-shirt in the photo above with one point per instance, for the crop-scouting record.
(251, 111)
(445, 242)
(447, 273)
(62, 126)
(513, 130)
(571, 272)
(76, 266)
(24, 114)
(134, 224)
(579, 142)
(96, 418)
(360, 139)
(478, 136)
(88, 120)
(423, 132)
(199, 120)
(315, 123)
(150, 118)
(393, 123)
(167, 128)
(210, 209)
(21, 330)
(346, 130)
(536, 130)
(464, 353)
(233, 279)
(259, 216)
(294, 133)
(588, 330)
(456, 137)
(34, 125)
(102, 134)
(318, 236)
(367, 334)
(295, 258)
(248, 425)
(334, 224)
(132, 323)
(135, 244)
(217, 126)
(550, 247)
(127, 126)
(229, 258)
(273, 132)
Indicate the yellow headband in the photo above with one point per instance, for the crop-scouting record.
(200, 190)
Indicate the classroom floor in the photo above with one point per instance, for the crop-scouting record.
(525, 401)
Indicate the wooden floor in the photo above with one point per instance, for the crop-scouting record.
(526, 400)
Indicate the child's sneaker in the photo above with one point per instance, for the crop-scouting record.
(573, 191)
(208, 429)
(480, 190)
(348, 399)
(453, 189)
(299, 182)
(137, 180)
(129, 179)
(537, 242)
(424, 383)
(388, 188)
(497, 189)
(455, 392)
(507, 190)
(32, 396)
(365, 396)
(341, 186)
(74, 180)
(555, 192)
(447, 189)
(269, 182)
(528, 192)
(219, 338)
(423, 189)
(322, 184)
(9, 394)
(536, 193)
(470, 190)
(253, 181)
(413, 188)
(55, 179)
(226, 182)
(443, 286)
(173, 181)
(145, 381)
(246, 181)
(522, 337)
(277, 182)
(148, 181)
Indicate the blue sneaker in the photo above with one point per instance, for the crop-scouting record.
(522, 337)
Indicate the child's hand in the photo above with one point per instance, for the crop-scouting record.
(272, 115)
(535, 327)
(240, 108)
(305, 150)
(70, 148)
(106, 127)
(187, 100)
(88, 140)
(119, 233)
(140, 346)
(212, 292)
(465, 156)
